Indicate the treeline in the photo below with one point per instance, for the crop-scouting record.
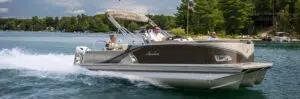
(240, 16)
(222, 16)
(79, 23)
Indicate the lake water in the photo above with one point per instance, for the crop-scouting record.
(40, 65)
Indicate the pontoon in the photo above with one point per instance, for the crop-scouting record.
(219, 64)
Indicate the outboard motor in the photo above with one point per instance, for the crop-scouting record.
(79, 53)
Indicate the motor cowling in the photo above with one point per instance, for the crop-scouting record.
(79, 53)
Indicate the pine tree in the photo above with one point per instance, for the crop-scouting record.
(284, 20)
(207, 16)
(237, 15)
(297, 16)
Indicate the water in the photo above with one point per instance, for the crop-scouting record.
(39, 65)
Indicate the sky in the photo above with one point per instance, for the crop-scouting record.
(42, 8)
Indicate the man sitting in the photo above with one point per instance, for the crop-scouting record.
(155, 35)
(213, 36)
(112, 45)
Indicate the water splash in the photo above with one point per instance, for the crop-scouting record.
(58, 66)
(20, 59)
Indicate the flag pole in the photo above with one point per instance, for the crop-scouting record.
(187, 19)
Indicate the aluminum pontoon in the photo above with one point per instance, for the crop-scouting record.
(181, 64)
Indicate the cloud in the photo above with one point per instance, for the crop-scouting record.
(134, 8)
(42, 8)
(75, 11)
(3, 10)
(71, 4)
(129, 5)
(4, 1)
(139, 6)
(100, 12)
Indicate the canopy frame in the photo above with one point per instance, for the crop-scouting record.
(132, 16)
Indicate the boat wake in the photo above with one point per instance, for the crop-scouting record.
(59, 67)
(20, 59)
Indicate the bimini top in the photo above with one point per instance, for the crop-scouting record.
(127, 15)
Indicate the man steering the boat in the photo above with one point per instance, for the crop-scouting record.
(155, 35)
(213, 36)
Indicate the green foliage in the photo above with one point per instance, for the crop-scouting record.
(49, 21)
(226, 17)
(263, 6)
(237, 15)
(284, 20)
(207, 17)
(65, 24)
(165, 22)
(133, 26)
(37, 24)
(297, 16)
(10, 25)
(79, 23)
(222, 34)
(170, 22)
(284, 11)
(96, 24)
(178, 31)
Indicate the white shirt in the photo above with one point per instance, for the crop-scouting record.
(211, 38)
(156, 36)
(116, 46)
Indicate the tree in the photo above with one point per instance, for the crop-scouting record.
(170, 22)
(263, 7)
(38, 24)
(35, 20)
(65, 24)
(103, 28)
(21, 26)
(2, 23)
(41, 25)
(84, 25)
(297, 16)
(49, 21)
(284, 20)
(79, 23)
(94, 27)
(56, 23)
(237, 15)
(160, 20)
(133, 26)
(10, 25)
(28, 25)
(207, 17)
(73, 24)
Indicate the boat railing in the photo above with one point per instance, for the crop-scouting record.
(101, 41)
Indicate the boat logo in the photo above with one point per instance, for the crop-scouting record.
(152, 53)
(222, 58)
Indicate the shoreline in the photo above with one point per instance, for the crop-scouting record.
(195, 37)
(206, 37)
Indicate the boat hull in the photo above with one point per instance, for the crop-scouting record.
(197, 64)
(214, 76)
